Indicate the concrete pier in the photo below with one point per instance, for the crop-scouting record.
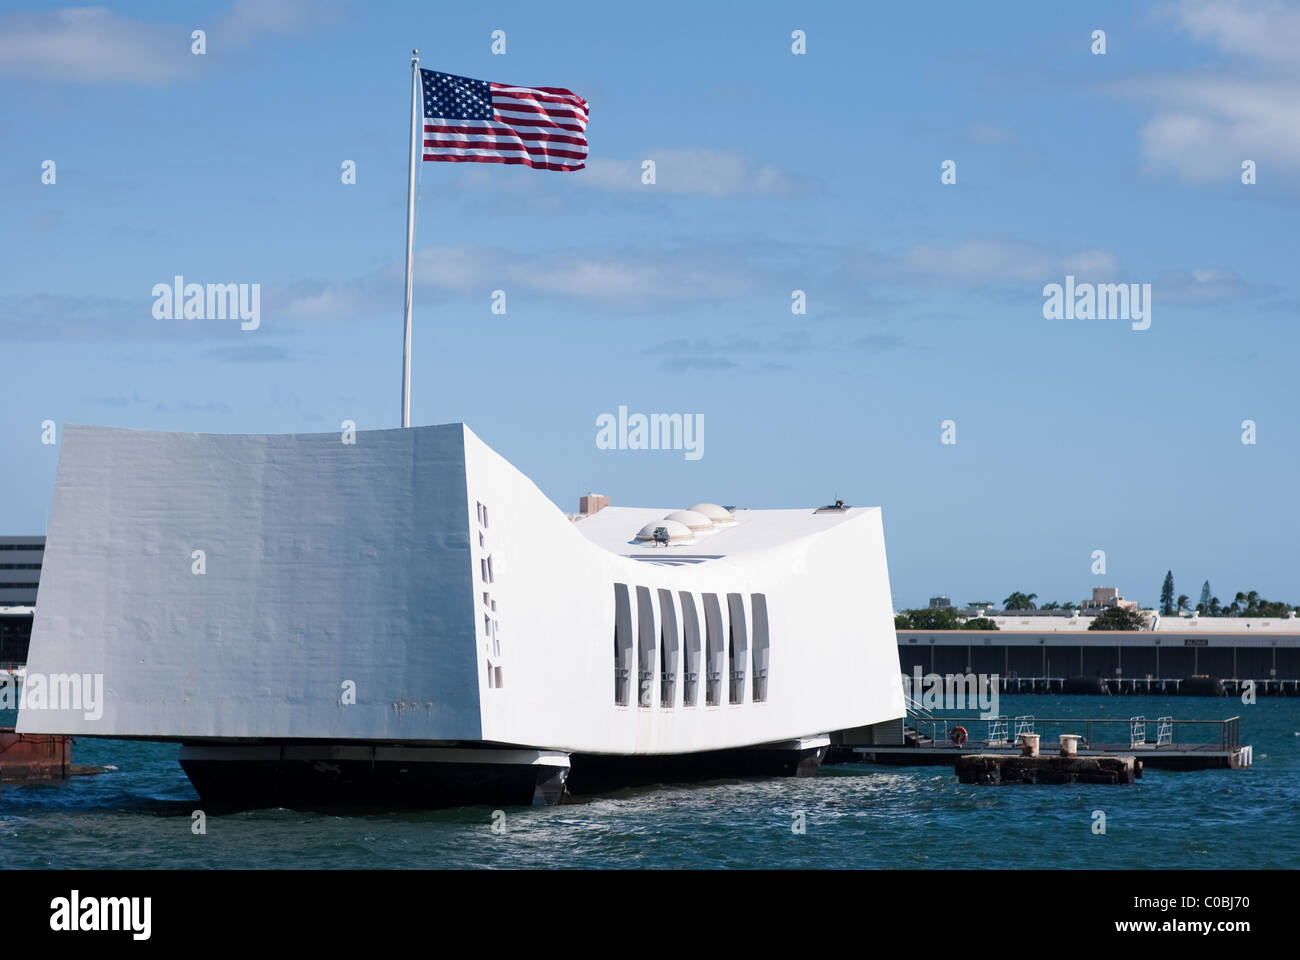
(32, 756)
(996, 768)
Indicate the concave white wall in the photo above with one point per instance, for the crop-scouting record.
(326, 562)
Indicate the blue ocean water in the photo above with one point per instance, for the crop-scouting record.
(138, 815)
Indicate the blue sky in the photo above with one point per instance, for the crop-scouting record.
(775, 172)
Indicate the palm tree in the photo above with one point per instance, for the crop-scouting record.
(1050, 606)
(1019, 601)
(1182, 601)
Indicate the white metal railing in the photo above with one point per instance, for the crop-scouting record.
(1024, 724)
(998, 730)
(1137, 731)
(1165, 731)
(914, 708)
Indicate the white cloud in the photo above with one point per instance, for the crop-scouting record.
(1207, 126)
(991, 135)
(317, 302)
(96, 45)
(249, 19)
(993, 262)
(1206, 123)
(697, 171)
(1204, 285)
(1263, 30)
(628, 279)
(91, 45)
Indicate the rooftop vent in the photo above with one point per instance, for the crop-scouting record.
(691, 519)
(720, 516)
(672, 532)
(837, 507)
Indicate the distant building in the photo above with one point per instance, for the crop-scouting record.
(940, 603)
(1106, 597)
(592, 503)
(20, 570)
(20, 573)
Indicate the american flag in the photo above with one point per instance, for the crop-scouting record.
(482, 122)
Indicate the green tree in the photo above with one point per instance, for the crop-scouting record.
(929, 619)
(1020, 601)
(902, 622)
(979, 623)
(1167, 594)
(1182, 601)
(1050, 606)
(1117, 618)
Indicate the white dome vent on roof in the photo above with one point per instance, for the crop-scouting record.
(677, 532)
(720, 516)
(693, 520)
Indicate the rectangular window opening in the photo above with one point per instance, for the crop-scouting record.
(622, 644)
(645, 636)
(758, 603)
(737, 648)
(668, 646)
(715, 650)
(690, 650)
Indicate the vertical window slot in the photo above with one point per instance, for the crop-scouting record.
(690, 650)
(737, 648)
(622, 643)
(758, 602)
(668, 650)
(645, 637)
(715, 650)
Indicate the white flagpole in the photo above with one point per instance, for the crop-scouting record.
(410, 237)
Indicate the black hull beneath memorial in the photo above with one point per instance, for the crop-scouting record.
(312, 776)
(597, 773)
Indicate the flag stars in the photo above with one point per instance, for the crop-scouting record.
(456, 98)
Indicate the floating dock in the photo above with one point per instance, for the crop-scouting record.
(1160, 744)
